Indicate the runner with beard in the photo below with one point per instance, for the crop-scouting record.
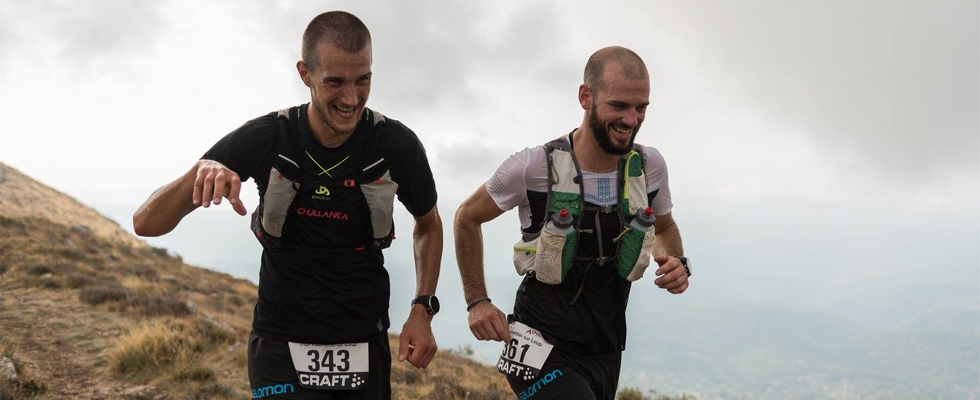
(327, 173)
(568, 330)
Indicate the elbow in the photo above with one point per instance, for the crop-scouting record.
(140, 225)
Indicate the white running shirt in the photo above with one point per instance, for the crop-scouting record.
(527, 169)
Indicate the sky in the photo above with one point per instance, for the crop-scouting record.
(822, 155)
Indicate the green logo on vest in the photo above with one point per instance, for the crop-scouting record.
(322, 193)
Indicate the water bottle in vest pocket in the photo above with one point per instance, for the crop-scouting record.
(548, 260)
(524, 252)
(278, 195)
(636, 246)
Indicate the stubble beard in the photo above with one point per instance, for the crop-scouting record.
(321, 114)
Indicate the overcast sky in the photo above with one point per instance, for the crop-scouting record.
(824, 144)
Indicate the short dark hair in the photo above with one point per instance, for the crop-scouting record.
(632, 64)
(342, 29)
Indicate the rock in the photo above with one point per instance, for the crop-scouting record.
(216, 324)
(140, 392)
(7, 369)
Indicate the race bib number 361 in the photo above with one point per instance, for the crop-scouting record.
(525, 354)
(330, 366)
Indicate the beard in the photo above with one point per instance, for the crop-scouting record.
(601, 134)
(321, 114)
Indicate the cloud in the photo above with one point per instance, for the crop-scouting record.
(880, 85)
(82, 34)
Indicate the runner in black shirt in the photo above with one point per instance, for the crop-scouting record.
(323, 288)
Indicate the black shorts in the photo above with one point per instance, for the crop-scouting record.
(272, 376)
(566, 376)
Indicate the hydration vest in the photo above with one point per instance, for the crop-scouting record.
(287, 179)
(565, 191)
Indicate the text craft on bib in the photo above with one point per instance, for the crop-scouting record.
(525, 354)
(330, 366)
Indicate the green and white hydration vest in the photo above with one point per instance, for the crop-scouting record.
(548, 257)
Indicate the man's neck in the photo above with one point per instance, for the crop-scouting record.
(323, 133)
(589, 155)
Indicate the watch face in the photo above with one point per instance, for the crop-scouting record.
(434, 304)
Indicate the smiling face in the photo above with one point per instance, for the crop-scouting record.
(616, 110)
(339, 83)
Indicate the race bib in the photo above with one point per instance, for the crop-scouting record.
(524, 355)
(330, 366)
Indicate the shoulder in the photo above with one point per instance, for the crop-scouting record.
(393, 134)
(260, 127)
(529, 158)
(653, 158)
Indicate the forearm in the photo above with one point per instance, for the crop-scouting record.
(469, 256)
(428, 257)
(164, 209)
(668, 242)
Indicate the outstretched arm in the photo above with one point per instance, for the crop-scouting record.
(667, 247)
(206, 182)
(416, 342)
(487, 322)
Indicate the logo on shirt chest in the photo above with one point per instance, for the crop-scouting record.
(309, 212)
(321, 193)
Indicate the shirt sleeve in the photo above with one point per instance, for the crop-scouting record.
(244, 148)
(508, 185)
(658, 190)
(409, 167)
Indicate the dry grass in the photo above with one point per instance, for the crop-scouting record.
(150, 348)
(636, 394)
(23, 386)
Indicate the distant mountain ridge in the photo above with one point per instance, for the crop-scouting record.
(21, 196)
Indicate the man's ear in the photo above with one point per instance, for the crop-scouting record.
(585, 96)
(304, 72)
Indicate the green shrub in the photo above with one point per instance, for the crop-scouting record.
(21, 388)
(77, 280)
(39, 270)
(149, 305)
(103, 293)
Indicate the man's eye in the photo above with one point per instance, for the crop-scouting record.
(334, 82)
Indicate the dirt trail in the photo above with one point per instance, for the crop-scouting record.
(57, 339)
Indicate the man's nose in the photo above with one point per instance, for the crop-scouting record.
(349, 96)
(631, 119)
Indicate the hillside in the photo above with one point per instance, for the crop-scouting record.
(88, 311)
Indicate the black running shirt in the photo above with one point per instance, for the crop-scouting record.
(317, 296)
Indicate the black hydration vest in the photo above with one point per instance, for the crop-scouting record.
(287, 180)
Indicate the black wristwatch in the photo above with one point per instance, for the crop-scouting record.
(686, 263)
(431, 303)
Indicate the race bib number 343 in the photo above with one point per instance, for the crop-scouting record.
(525, 354)
(330, 366)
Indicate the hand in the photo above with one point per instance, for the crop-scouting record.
(672, 275)
(487, 322)
(214, 181)
(416, 343)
